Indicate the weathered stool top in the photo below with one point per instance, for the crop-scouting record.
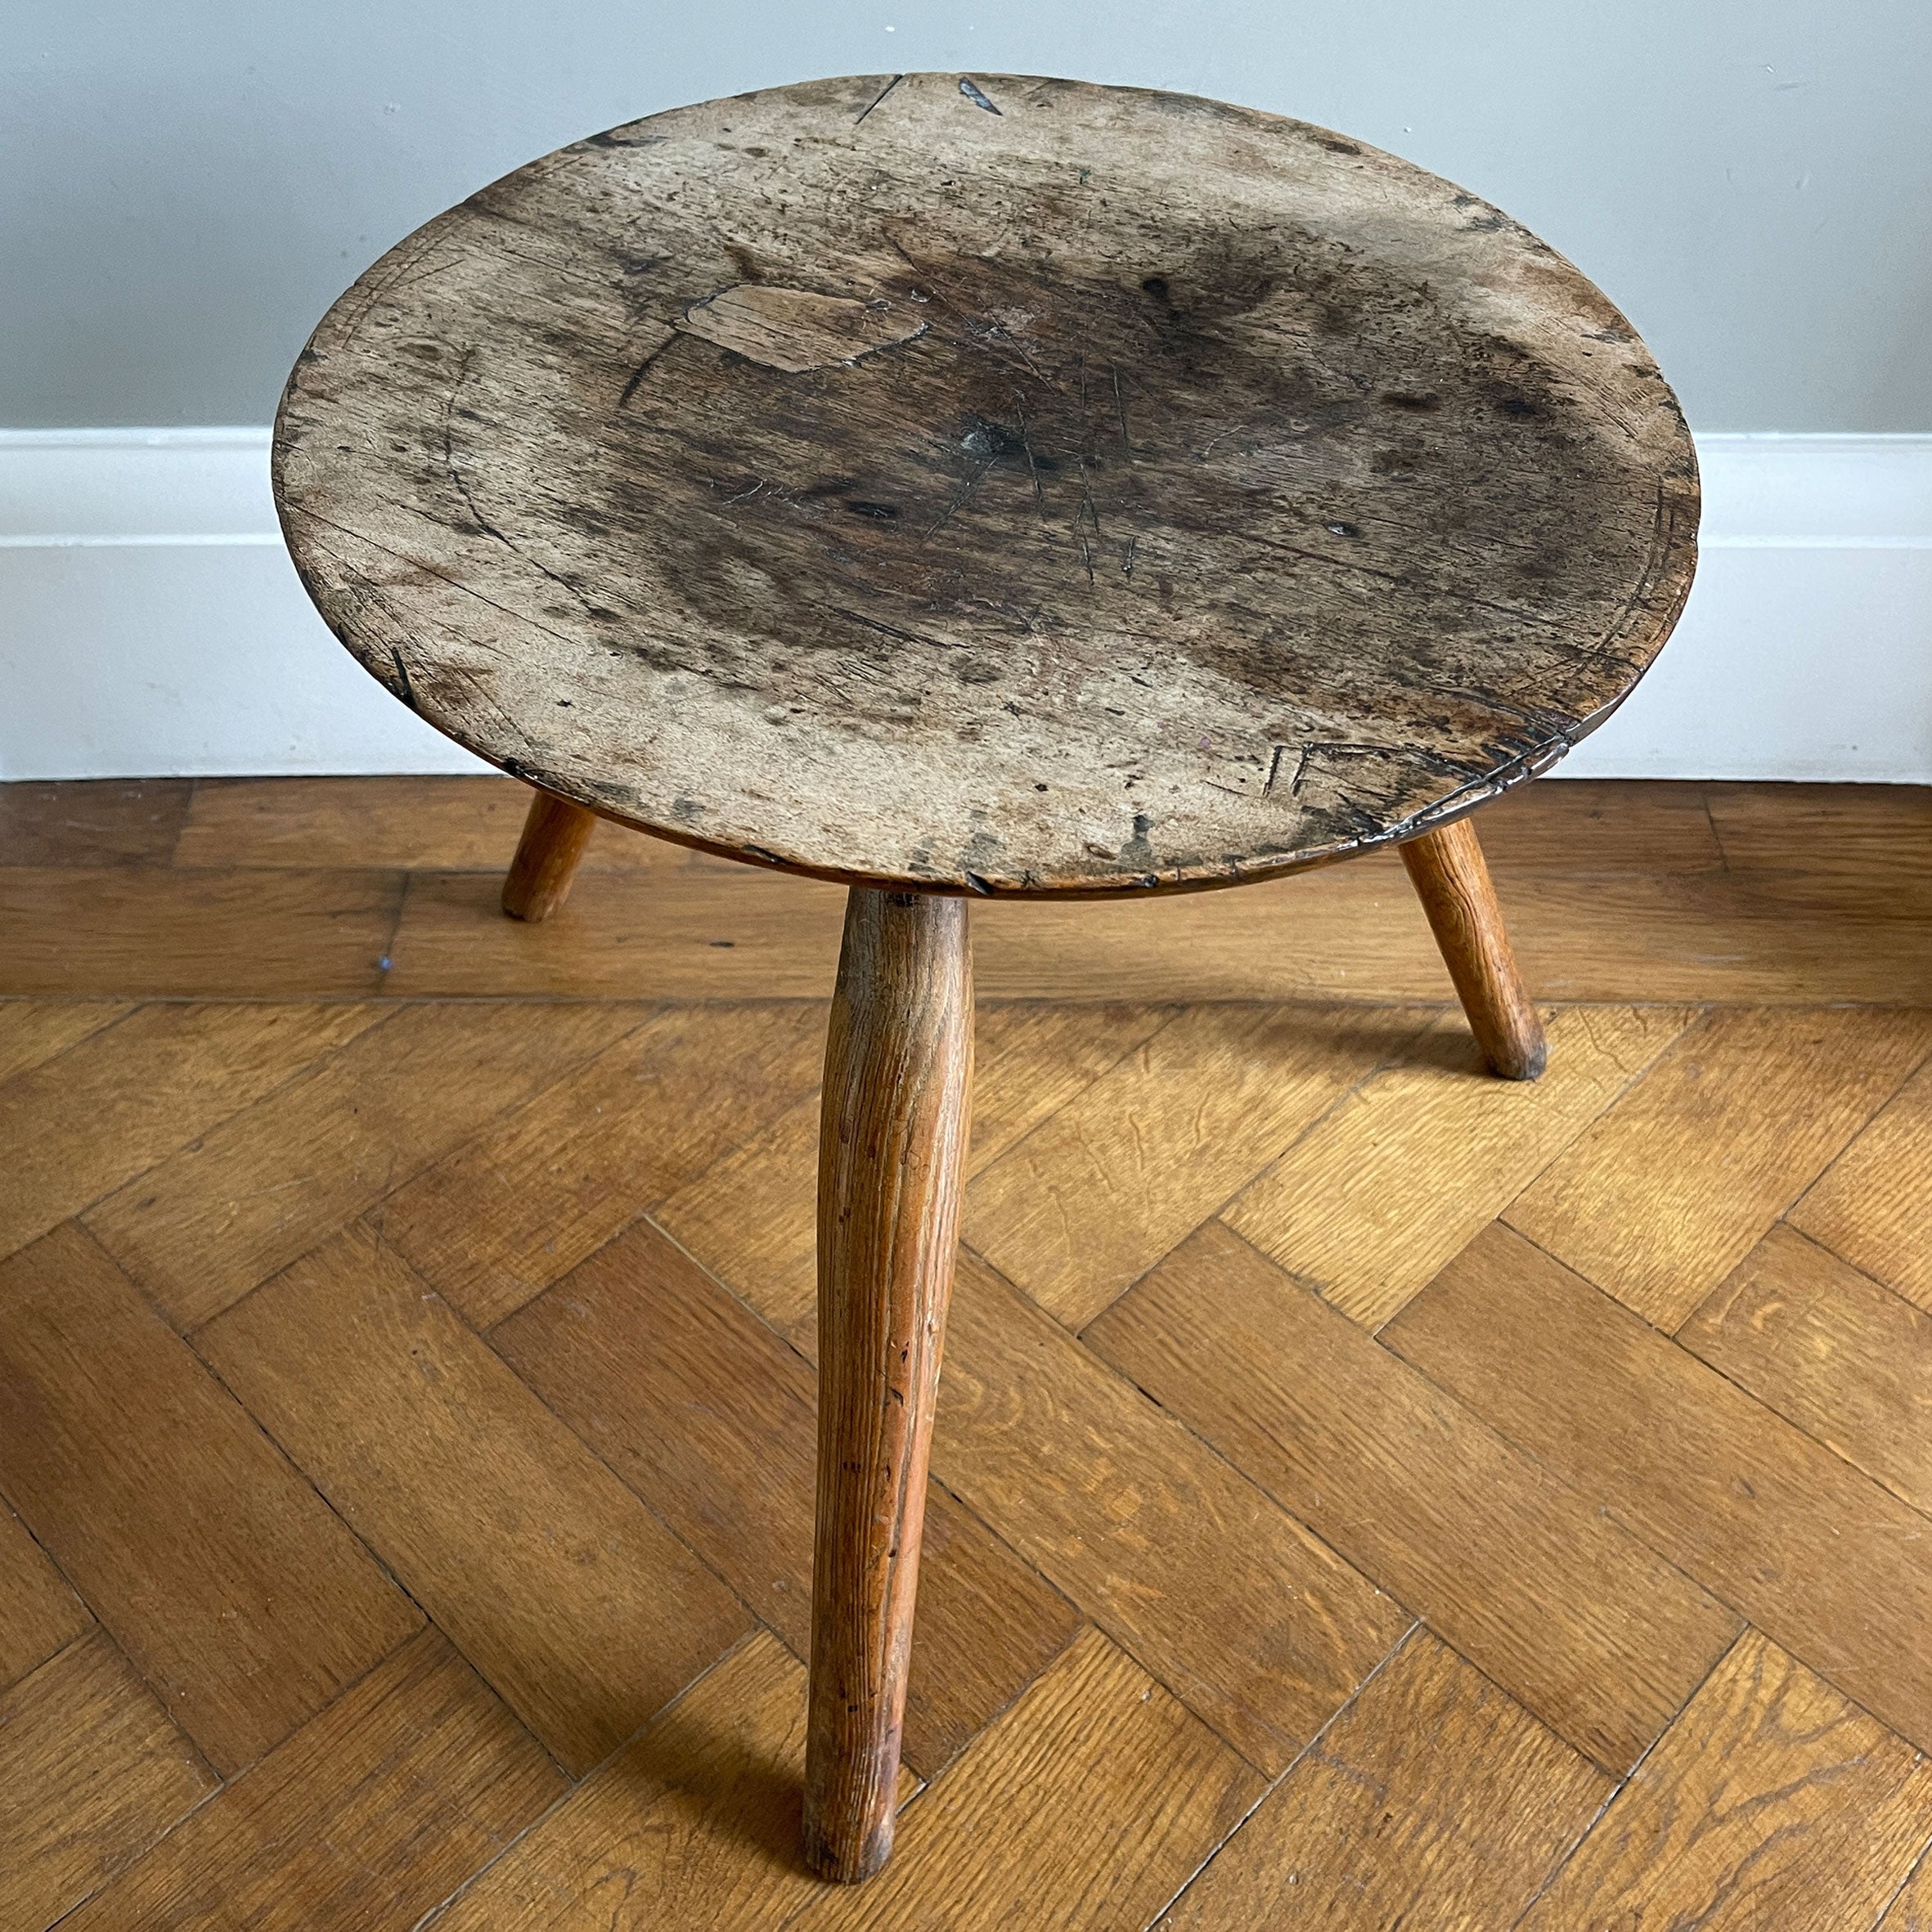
(994, 484)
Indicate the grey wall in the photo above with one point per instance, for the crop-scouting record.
(184, 186)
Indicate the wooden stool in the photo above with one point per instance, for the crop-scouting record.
(984, 486)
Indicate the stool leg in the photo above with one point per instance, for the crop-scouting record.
(555, 836)
(1447, 871)
(892, 1141)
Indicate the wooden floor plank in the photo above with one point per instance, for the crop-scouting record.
(1540, 1487)
(1911, 1910)
(1870, 1205)
(1260, 1629)
(138, 932)
(364, 1819)
(1831, 1565)
(696, 933)
(1431, 1801)
(1608, 890)
(241, 1598)
(1578, 1620)
(1098, 1192)
(576, 1603)
(696, 1822)
(1670, 1190)
(713, 1420)
(102, 821)
(83, 1123)
(1086, 1807)
(39, 1614)
(1859, 832)
(1353, 931)
(1381, 1192)
(1772, 1802)
(1830, 1349)
(33, 1030)
(1349, 931)
(91, 1771)
(1029, 1061)
(434, 825)
(1601, 825)
(751, 1217)
(205, 1225)
(504, 1216)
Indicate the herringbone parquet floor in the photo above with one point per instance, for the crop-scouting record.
(1365, 1495)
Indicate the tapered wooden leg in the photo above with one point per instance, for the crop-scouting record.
(555, 836)
(1447, 869)
(892, 1141)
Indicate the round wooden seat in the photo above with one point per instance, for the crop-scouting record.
(991, 485)
(972, 485)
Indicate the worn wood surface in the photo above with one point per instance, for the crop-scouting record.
(68, 1819)
(1825, 1561)
(990, 483)
(589, 1613)
(231, 1586)
(1571, 1615)
(1432, 1800)
(1447, 871)
(891, 1155)
(1252, 1496)
(1772, 1802)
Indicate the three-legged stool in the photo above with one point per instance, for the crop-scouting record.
(964, 487)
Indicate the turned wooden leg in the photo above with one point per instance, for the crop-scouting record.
(892, 1139)
(555, 836)
(1447, 869)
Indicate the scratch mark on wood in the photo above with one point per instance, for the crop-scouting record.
(960, 498)
(639, 373)
(1032, 467)
(463, 489)
(877, 97)
(892, 631)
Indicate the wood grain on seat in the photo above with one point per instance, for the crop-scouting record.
(992, 484)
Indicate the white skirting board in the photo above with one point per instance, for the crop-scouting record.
(150, 624)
